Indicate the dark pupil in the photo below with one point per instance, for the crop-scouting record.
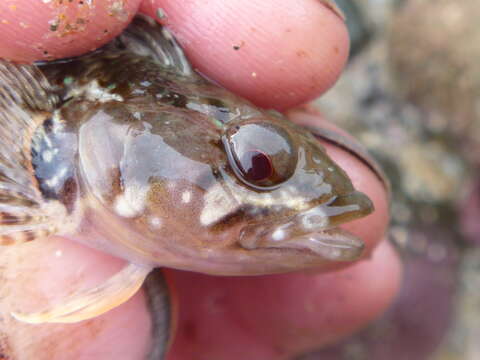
(256, 166)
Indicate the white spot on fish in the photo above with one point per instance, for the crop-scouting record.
(155, 222)
(47, 156)
(131, 203)
(54, 181)
(278, 234)
(217, 205)
(186, 196)
(123, 208)
(94, 92)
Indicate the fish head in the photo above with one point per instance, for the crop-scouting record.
(293, 196)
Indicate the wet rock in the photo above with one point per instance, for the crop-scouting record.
(434, 50)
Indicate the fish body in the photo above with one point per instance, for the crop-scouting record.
(130, 151)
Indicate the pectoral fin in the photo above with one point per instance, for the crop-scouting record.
(89, 303)
(26, 101)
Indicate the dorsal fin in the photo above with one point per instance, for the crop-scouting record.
(144, 36)
(26, 100)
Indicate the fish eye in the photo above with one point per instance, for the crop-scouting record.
(255, 165)
(261, 154)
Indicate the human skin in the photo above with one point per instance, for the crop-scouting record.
(288, 53)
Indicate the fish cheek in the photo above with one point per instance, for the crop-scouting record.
(171, 214)
(185, 217)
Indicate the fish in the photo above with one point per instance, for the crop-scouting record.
(131, 151)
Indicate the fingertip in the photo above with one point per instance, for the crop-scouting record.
(42, 272)
(324, 307)
(277, 55)
(358, 295)
(44, 30)
(382, 276)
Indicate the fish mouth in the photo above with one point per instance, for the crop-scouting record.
(314, 230)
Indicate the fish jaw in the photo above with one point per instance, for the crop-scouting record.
(330, 245)
(315, 230)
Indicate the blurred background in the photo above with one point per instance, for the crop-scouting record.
(411, 94)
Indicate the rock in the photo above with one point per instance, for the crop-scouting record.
(435, 60)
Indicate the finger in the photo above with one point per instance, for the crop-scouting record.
(372, 228)
(42, 30)
(277, 317)
(41, 272)
(277, 54)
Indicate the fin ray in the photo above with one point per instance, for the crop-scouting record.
(144, 36)
(26, 99)
(86, 304)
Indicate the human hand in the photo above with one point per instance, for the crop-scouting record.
(277, 55)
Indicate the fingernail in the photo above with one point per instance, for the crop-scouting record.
(353, 148)
(332, 5)
(160, 309)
